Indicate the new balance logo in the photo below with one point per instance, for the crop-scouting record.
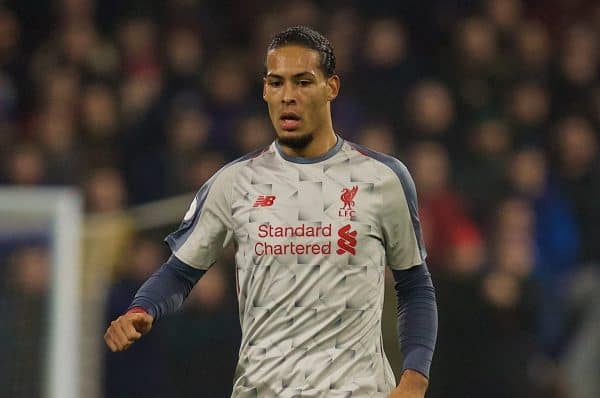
(347, 241)
(264, 201)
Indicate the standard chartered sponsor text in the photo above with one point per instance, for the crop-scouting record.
(263, 248)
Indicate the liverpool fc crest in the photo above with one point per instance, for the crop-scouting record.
(347, 197)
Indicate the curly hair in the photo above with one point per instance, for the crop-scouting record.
(309, 38)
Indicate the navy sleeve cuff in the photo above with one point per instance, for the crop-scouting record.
(418, 358)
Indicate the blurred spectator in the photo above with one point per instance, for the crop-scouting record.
(24, 166)
(578, 173)
(379, 137)
(163, 169)
(75, 10)
(514, 219)
(56, 131)
(442, 209)
(99, 110)
(105, 191)
(431, 114)
(476, 71)
(512, 303)
(77, 40)
(388, 70)
(10, 35)
(141, 86)
(477, 45)
(299, 12)
(184, 56)
(504, 14)
(59, 86)
(528, 107)
(556, 239)
(480, 174)
(534, 50)
(343, 31)
(100, 125)
(579, 60)
(468, 251)
(108, 229)
(136, 372)
(188, 133)
(253, 132)
(202, 168)
(138, 93)
(228, 90)
(266, 24)
(556, 235)
(137, 38)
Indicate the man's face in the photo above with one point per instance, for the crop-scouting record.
(298, 94)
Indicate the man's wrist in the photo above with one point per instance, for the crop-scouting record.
(411, 380)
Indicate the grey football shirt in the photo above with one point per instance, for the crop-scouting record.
(312, 237)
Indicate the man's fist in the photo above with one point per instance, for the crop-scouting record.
(127, 329)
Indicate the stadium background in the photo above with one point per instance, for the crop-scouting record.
(493, 105)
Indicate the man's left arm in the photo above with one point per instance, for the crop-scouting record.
(417, 329)
(405, 255)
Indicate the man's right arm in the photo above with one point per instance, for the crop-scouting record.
(163, 293)
(195, 247)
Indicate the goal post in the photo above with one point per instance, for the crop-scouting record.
(60, 210)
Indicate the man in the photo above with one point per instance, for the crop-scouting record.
(315, 220)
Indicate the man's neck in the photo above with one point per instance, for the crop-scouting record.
(319, 146)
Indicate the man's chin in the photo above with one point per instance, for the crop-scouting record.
(295, 140)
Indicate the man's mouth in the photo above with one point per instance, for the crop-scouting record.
(289, 121)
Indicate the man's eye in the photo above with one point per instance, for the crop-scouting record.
(304, 83)
(275, 83)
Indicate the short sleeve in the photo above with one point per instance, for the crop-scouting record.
(400, 219)
(205, 229)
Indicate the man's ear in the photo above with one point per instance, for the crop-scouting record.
(333, 87)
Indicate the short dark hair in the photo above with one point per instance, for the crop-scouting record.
(309, 38)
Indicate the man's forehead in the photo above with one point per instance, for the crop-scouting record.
(291, 60)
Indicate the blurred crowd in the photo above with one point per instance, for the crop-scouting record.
(494, 106)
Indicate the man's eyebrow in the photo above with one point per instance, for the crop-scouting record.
(301, 74)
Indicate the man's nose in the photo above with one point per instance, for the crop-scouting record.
(289, 94)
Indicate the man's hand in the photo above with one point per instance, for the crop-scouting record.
(127, 329)
(412, 385)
